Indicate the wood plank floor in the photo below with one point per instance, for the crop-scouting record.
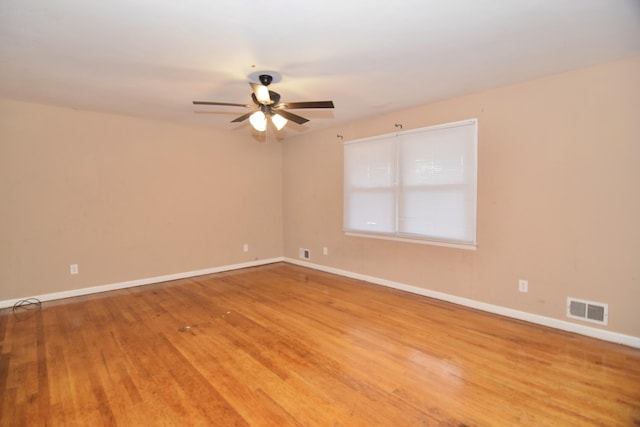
(282, 345)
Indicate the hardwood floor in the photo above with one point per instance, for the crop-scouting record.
(282, 345)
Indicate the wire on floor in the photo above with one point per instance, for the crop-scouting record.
(28, 304)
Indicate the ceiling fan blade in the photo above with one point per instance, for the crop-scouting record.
(293, 117)
(309, 104)
(231, 104)
(242, 117)
(262, 94)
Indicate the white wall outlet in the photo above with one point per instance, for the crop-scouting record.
(73, 269)
(325, 250)
(304, 253)
(245, 247)
(523, 285)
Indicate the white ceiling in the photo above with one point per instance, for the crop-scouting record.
(151, 58)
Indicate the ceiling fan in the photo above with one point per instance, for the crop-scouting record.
(268, 104)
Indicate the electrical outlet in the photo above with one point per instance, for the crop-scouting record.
(245, 247)
(325, 251)
(73, 269)
(523, 285)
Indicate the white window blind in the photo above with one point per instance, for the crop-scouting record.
(414, 185)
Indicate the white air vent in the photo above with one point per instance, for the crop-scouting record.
(304, 253)
(589, 311)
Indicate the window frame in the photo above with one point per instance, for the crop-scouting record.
(398, 188)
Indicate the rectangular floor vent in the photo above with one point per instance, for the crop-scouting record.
(595, 312)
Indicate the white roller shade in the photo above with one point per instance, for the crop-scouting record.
(417, 185)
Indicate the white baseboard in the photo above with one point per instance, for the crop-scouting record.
(496, 309)
(141, 282)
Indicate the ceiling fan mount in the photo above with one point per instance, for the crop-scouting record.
(268, 105)
(265, 79)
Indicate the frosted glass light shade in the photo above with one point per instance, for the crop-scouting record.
(258, 121)
(278, 121)
(262, 94)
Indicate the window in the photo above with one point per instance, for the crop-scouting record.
(417, 185)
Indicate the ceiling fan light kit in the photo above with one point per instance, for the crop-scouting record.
(278, 121)
(262, 94)
(268, 104)
(259, 121)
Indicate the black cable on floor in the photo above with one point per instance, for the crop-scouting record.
(27, 303)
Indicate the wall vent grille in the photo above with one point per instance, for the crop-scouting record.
(589, 311)
(304, 253)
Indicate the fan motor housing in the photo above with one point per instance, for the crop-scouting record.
(265, 79)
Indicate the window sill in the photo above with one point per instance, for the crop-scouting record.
(465, 246)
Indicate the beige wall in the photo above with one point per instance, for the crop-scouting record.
(559, 197)
(127, 199)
